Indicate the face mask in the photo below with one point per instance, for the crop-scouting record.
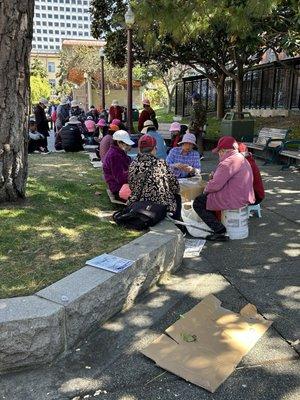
(125, 147)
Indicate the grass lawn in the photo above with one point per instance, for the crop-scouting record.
(213, 127)
(58, 227)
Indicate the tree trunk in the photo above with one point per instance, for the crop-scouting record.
(170, 98)
(239, 96)
(16, 21)
(220, 96)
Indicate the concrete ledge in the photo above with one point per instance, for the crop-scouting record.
(31, 331)
(35, 329)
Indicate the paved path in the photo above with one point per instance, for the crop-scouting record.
(263, 269)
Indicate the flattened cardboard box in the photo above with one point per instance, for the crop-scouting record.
(208, 342)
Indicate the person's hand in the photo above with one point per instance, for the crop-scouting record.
(187, 168)
(211, 175)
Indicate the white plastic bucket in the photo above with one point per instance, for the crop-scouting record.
(190, 216)
(236, 223)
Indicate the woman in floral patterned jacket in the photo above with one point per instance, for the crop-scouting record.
(150, 179)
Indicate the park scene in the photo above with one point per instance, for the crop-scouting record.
(149, 199)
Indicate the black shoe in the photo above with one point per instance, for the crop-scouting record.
(217, 237)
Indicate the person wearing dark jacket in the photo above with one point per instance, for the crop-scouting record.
(258, 185)
(62, 114)
(147, 114)
(76, 111)
(41, 120)
(70, 137)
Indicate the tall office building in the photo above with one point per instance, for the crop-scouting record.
(55, 20)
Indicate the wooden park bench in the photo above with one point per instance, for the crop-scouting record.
(113, 199)
(291, 153)
(267, 141)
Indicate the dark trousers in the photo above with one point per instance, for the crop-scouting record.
(207, 216)
(177, 213)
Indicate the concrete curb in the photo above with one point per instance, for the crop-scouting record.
(36, 329)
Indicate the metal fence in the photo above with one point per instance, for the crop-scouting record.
(271, 85)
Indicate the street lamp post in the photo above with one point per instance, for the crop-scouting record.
(129, 20)
(101, 52)
(85, 75)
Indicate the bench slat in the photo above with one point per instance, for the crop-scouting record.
(291, 153)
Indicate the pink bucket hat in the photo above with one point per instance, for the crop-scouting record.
(116, 121)
(175, 126)
(101, 123)
(188, 138)
(146, 102)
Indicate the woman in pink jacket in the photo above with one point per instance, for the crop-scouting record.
(231, 187)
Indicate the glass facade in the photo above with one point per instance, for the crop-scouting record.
(60, 15)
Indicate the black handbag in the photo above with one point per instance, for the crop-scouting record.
(140, 215)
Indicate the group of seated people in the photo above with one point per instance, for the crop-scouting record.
(235, 183)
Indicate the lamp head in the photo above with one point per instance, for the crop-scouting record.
(101, 52)
(129, 17)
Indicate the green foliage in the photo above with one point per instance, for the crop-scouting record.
(39, 87)
(37, 68)
(61, 225)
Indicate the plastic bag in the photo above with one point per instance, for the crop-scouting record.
(189, 216)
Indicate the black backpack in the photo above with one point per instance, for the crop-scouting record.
(140, 215)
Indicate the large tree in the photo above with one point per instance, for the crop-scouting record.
(16, 22)
(166, 48)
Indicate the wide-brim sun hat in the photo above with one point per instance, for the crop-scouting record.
(147, 124)
(175, 127)
(73, 120)
(116, 121)
(113, 127)
(123, 136)
(74, 103)
(44, 101)
(101, 123)
(226, 143)
(188, 138)
(64, 101)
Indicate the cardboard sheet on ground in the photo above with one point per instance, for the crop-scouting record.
(206, 344)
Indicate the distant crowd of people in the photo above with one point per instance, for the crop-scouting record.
(154, 173)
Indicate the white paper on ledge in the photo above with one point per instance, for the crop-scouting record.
(110, 263)
(193, 247)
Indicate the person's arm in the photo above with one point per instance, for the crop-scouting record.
(118, 171)
(174, 184)
(142, 118)
(222, 174)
